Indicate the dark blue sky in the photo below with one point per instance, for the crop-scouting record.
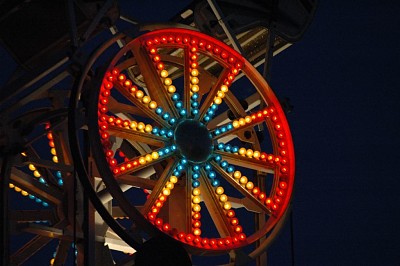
(343, 80)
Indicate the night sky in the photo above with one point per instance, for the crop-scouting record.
(343, 80)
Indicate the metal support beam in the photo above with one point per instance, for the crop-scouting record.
(269, 54)
(225, 26)
(6, 163)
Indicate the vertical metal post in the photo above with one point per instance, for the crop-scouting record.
(6, 163)
(225, 26)
(269, 53)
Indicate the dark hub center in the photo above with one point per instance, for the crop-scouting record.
(193, 140)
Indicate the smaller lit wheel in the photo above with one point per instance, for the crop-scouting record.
(175, 139)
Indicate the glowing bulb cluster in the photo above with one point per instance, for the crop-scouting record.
(53, 151)
(196, 199)
(52, 147)
(129, 165)
(27, 194)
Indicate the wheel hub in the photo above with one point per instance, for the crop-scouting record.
(193, 141)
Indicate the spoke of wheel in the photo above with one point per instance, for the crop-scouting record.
(186, 74)
(29, 249)
(206, 80)
(117, 107)
(244, 203)
(241, 189)
(48, 164)
(47, 193)
(214, 208)
(32, 215)
(180, 205)
(236, 131)
(213, 92)
(136, 181)
(140, 105)
(246, 162)
(138, 136)
(159, 186)
(151, 78)
(142, 166)
(62, 252)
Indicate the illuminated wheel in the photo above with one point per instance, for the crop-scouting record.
(41, 176)
(189, 138)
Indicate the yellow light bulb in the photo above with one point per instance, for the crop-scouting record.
(249, 153)
(195, 88)
(155, 155)
(153, 105)
(164, 73)
(17, 189)
(217, 100)
(139, 94)
(171, 89)
(141, 126)
(250, 185)
(55, 159)
(133, 125)
(166, 192)
(148, 158)
(223, 198)
(24, 193)
(148, 128)
(197, 231)
(242, 151)
(224, 88)
(196, 207)
(196, 199)
(146, 99)
(194, 72)
(196, 191)
(256, 154)
(219, 190)
(242, 122)
(220, 94)
(53, 151)
(11, 185)
(227, 206)
(243, 180)
(142, 160)
(248, 119)
(173, 179)
(31, 167)
(168, 81)
(36, 173)
(235, 124)
(169, 185)
(237, 174)
(194, 80)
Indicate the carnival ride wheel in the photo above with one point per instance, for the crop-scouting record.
(41, 212)
(189, 140)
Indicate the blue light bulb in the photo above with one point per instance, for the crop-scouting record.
(212, 174)
(215, 183)
(218, 158)
(195, 183)
(230, 169)
(159, 110)
(183, 112)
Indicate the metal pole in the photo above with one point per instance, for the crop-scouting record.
(6, 163)
(227, 29)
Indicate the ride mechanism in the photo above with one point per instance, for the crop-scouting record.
(145, 144)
